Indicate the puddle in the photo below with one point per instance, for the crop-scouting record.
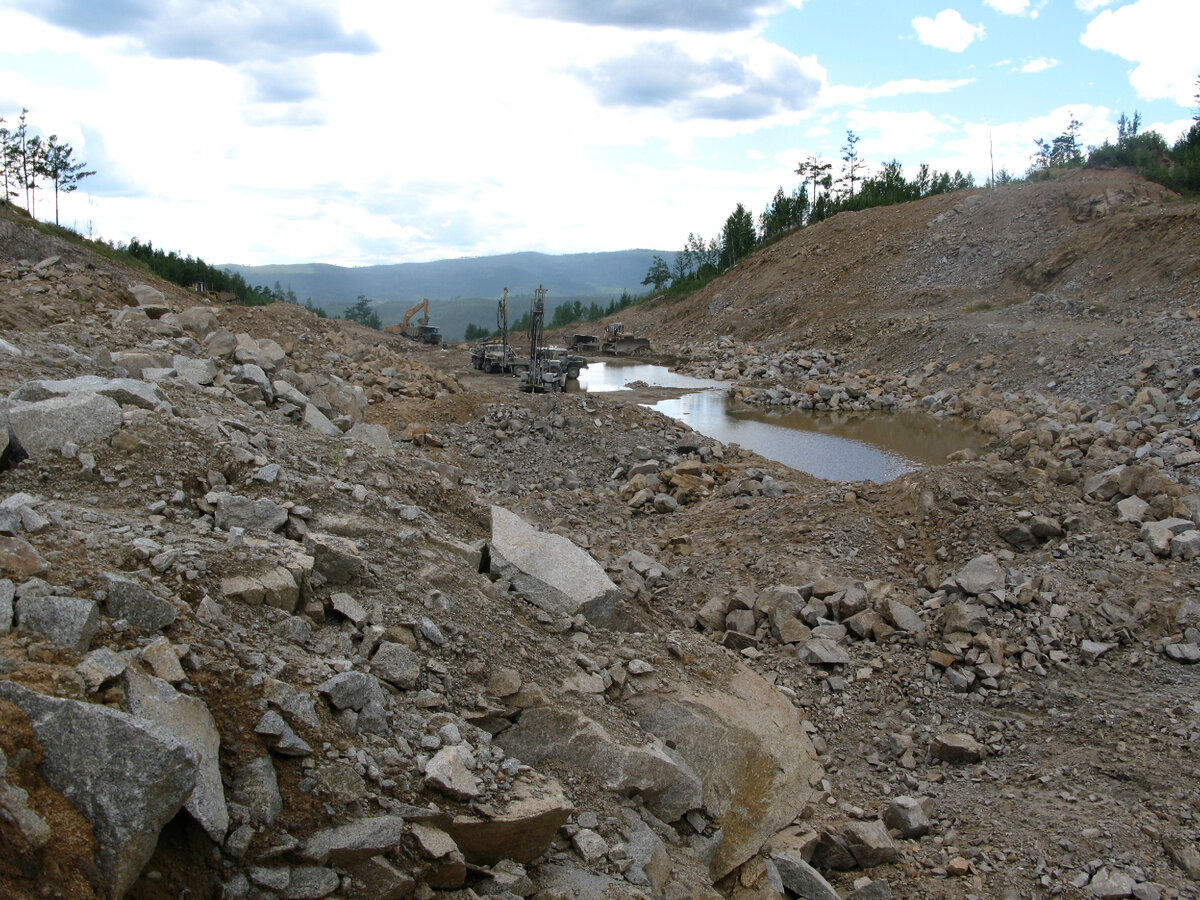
(846, 446)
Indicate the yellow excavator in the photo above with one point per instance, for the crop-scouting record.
(422, 331)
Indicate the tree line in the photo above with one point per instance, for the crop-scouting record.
(1173, 165)
(818, 196)
(566, 313)
(28, 160)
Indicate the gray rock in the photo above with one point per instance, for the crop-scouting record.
(447, 773)
(378, 879)
(128, 778)
(802, 879)
(375, 436)
(100, 667)
(964, 617)
(79, 418)
(651, 864)
(261, 515)
(188, 720)
(125, 391)
(249, 373)
(352, 690)
(870, 843)
(876, 890)
(550, 570)
(199, 372)
(666, 783)
(280, 736)
(745, 743)
(980, 575)
(907, 816)
(1183, 653)
(1158, 535)
(256, 787)
(397, 664)
(343, 845)
(346, 605)
(1132, 509)
(335, 558)
(1090, 651)
(7, 593)
(315, 420)
(904, 617)
(956, 748)
(820, 651)
(1111, 884)
(1185, 545)
(66, 621)
(130, 601)
(310, 883)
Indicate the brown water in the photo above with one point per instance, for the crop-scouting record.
(847, 446)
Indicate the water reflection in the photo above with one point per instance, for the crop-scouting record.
(872, 446)
(601, 377)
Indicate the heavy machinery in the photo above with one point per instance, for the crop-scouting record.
(581, 342)
(495, 356)
(422, 331)
(498, 356)
(549, 367)
(621, 344)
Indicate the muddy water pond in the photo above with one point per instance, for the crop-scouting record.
(846, 446)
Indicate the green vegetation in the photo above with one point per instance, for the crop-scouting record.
(566, 313)
(362, 313)
(816, 198)
(819, 195)
(27, 159)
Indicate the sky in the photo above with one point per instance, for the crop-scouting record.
(364, 132)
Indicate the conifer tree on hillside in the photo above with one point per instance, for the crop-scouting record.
(64, 172)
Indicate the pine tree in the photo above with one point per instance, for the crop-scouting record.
(65, 173)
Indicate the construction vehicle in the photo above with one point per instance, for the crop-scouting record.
(490, 355)
(621, 344)
(582, 342)
(562, 358)
(495, 356)
(546, 372)
(422, 331)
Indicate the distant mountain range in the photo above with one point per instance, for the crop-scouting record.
(463, 291)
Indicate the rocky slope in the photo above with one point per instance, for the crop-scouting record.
(295, 609)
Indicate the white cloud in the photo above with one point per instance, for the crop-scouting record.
(948, 30)
(891, 134)
(1041, 64)
(839, 94)
(1092, 5)
(1009, 7)
(1160, 37)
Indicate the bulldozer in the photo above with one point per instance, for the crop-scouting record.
(422, 331)
(619, 343)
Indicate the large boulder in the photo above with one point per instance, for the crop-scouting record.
(664, 781)
(550, 571)
(128, 776)
(521, 829)
(125, 391)
(745, 742)
(79, 418)
(66, 621)
(190, 722)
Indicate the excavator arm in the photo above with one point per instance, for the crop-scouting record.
(424, 320)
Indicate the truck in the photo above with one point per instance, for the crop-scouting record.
(495, 356)
(422, 331)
